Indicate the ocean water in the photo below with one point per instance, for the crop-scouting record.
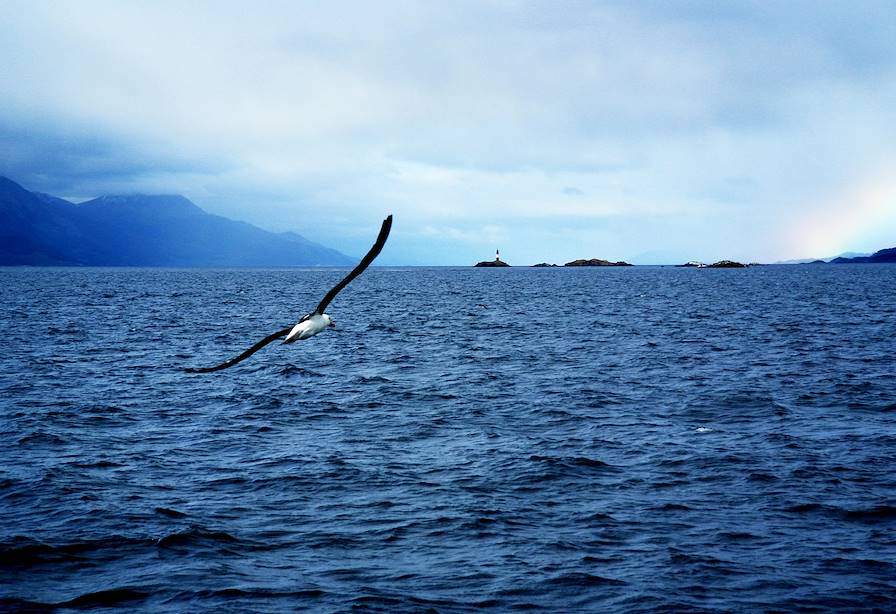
(615, 440)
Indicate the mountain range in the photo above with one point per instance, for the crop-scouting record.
(884, 255)
(141, 230)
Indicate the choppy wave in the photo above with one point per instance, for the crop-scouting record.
(637, 440)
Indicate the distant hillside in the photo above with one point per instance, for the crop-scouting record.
(824, 260)
(139, 230)
(884, 255)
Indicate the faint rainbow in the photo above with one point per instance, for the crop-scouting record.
(842, 222)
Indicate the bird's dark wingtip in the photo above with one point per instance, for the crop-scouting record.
(197, 370)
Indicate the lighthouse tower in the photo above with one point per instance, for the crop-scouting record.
(497, 255)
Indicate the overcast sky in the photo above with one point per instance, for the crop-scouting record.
(655, 132)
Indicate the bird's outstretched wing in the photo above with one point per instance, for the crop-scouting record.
(244, 355)
(365, 262)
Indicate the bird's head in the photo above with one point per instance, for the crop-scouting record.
(330, 321)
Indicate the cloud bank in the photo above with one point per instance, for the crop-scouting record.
(650, 131)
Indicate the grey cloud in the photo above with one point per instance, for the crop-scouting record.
(75, 163)
(452, 115)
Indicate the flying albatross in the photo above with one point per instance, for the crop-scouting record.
(316, 321)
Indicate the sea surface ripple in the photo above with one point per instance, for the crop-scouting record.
(616, 440)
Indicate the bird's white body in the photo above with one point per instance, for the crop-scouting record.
(309, 327)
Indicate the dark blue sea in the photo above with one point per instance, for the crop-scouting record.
(640, 439)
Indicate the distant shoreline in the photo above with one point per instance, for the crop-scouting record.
(340, 267)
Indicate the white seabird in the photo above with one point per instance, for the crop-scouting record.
(316, 321)
(309, 327)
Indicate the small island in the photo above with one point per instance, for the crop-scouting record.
(596, 262)
(492, 263)
(544, 264)
(721, 264)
